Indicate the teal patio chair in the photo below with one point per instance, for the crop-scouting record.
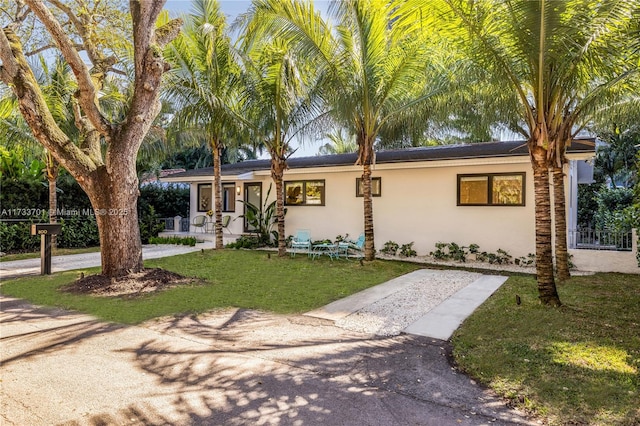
(301, 242)
(226, 219)
(199, 222)
(357, 247)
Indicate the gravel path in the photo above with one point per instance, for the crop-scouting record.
(391, 315)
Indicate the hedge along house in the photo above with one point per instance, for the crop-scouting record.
(470, 193)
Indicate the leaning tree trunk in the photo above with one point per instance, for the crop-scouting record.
(560, 216)
(278, 166)
(114, 196)
(547, 292)
(103, 161)
(216, 148)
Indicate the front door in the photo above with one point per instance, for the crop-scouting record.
(253, 195)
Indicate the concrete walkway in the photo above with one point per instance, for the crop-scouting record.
(438, 323)
(19, 268)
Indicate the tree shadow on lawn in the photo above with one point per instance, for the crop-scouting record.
(579, 380)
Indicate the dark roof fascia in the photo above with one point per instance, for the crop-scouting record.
(407, 155)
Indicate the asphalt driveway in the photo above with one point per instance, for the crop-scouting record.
(230, 367)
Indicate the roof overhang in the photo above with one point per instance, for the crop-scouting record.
(444, 156)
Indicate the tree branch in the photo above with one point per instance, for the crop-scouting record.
(149, 67)
(40, 50)
(9, 67)
(88, 96)
(169, 31)
(18, 75)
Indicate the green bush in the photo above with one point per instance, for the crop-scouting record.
(501, 257)
(78, 232)
(614, 209)
(185, 241)
(390, 248)
(245, 242)
(168, 201)
(21, 197)
(149, 224)
(454, 251)
(16, 237)
(263, 220)
(407, 250)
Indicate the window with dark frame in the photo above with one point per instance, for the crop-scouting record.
(376, 187)
(491, 189)
(204, 197)
(228, 197)
(304, 193)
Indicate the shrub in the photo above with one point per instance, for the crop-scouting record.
(457, 252)
(245, 242)
(78, 232)
(263, 220)
(501, 257)
(167, 200)
(149, 224)
(186, 241)
(407, 250)
(16, 237)
(390, 248)
(528, 260)
(440, 253)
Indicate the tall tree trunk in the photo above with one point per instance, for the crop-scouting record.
(560, 216)
(365, 158)
(369, 247)
(278, 166)
(52, 177)
(544, 257)
(216, 148)
(114, 197)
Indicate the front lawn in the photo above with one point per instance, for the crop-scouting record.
(579, 364)
(233, 278)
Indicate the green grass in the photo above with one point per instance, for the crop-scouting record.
(56, 252)
(234, 278)
(579, 364)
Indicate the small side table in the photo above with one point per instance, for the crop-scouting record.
(329, 249)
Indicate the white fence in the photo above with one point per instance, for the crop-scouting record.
(605, 253)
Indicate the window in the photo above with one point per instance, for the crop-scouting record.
(496, 189)
(204, 197)
(376, 187)
(304, 193)
(228, 197)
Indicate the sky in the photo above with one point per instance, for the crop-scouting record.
(231, 8)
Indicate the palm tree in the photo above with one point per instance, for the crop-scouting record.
(204, 86)
(339, 143)
(562, 60)
(372, 64)
(282, 101)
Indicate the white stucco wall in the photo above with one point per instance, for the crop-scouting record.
(419, 205)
